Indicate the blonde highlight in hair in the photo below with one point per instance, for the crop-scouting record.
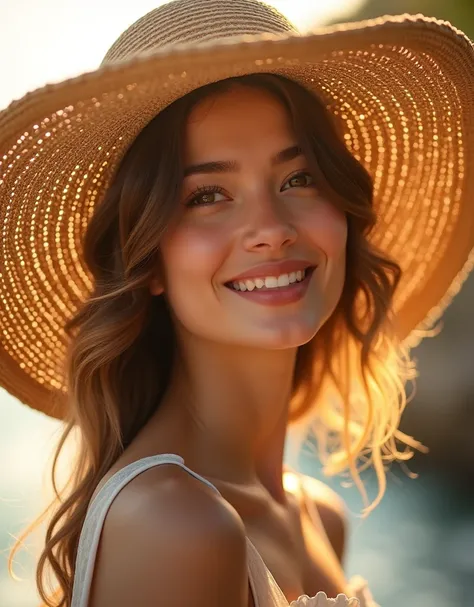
(349, 381)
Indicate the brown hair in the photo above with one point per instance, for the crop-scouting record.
(348, 382)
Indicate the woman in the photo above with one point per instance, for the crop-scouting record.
(238, 236)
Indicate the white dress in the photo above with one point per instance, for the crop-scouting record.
(265, 590)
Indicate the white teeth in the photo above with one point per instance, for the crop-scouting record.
(250, 285)
(269, 282)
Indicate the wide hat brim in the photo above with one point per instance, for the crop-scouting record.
(400, 87)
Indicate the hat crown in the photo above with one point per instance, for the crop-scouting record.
(181, 21)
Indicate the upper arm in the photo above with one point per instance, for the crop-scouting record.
(178, 545)
(332, 512)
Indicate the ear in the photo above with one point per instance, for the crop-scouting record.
(156, 288)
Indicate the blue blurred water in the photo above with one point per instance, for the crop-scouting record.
(417, 547)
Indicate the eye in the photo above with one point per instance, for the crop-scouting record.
(300, 180)
(204, 195)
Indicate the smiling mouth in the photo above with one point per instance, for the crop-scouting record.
(271, 283)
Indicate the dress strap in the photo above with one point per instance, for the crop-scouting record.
(265, 590)
(97, 512)
(126, 474)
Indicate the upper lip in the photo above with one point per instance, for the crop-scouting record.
(274, 269)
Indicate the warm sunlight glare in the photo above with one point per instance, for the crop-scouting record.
(55, 39)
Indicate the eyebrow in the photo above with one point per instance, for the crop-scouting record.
(229, 166)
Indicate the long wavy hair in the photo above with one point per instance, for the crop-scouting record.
(349, 380)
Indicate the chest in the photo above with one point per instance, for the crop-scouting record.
(296, 553)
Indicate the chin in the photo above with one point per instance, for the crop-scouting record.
(280, 337)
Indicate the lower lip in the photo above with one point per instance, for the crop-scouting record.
(279, 296)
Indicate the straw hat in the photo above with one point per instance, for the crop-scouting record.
(401, 87)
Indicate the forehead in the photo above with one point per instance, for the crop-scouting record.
(238, 118)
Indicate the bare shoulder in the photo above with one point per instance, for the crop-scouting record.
(169, 535)
(332, 511)
(324, 496)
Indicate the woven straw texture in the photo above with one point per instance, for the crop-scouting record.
(400, 87)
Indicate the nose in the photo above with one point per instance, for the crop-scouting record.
(269, 226)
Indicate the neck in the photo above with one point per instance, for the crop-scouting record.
(228, 406)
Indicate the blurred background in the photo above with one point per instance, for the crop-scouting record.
(417, 548)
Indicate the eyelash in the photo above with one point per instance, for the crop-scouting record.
(215, 189)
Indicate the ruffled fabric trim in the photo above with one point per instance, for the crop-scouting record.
(321, 600)
(362, 597)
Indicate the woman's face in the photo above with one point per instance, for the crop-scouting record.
(250, 218)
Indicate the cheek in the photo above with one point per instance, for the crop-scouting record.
(327, 229)
(328, 232)
(191, 253)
